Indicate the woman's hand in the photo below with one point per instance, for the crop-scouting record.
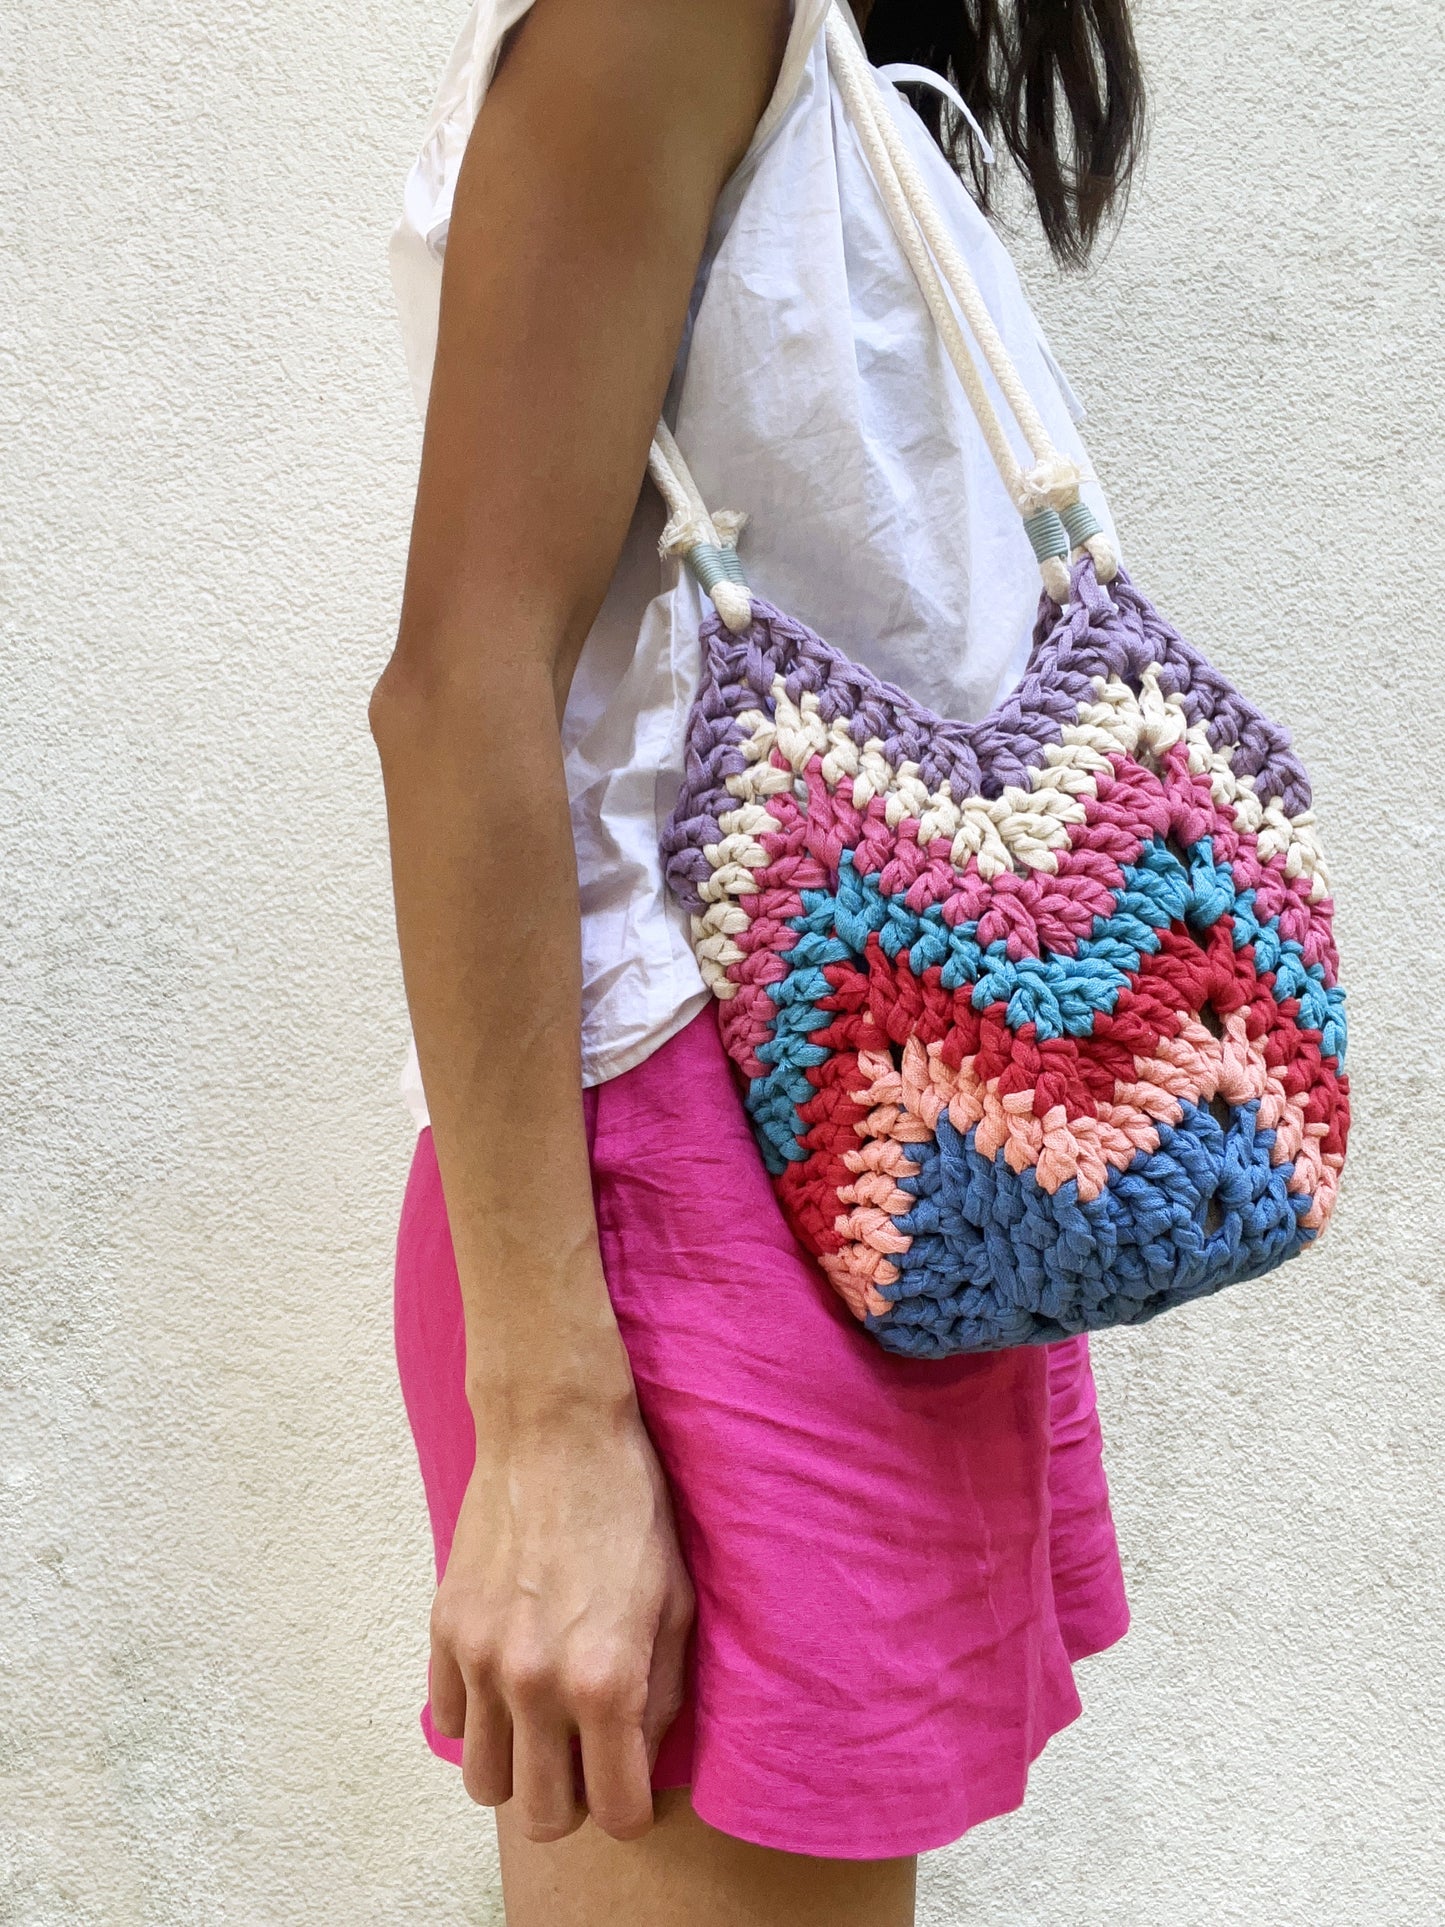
(564, 1610)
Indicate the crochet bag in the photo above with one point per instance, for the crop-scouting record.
(1037, 1017)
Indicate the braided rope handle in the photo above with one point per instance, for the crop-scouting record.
(707, 543)
(1059, 524)
(1047, 495)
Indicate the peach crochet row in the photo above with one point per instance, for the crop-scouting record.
(907, 1102)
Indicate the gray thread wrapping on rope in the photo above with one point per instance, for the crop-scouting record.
(711, 564)
(1081, 522)
(1047, 533)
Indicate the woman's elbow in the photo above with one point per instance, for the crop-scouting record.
(415, 703)
(397, 711)
(421, 699)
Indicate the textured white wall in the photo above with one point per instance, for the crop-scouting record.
(214, 1552)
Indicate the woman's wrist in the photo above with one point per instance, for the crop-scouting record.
(550, 1378)
(514, 1408)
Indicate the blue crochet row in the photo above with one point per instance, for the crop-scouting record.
(1043, 1266)
(1061, 994)
(772, 1101)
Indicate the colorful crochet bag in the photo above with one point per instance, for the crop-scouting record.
(1037, 1016)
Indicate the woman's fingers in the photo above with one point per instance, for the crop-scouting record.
(608, 1699)
(622, 1722)
(466, 1706)
(544, 1797)
(487, 1746)
(618, 1777)
(446, 1691)
(516, 1727)
(559, 1638)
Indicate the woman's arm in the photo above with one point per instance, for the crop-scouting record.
(579, 220)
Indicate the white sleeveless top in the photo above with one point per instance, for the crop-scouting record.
(811, 391)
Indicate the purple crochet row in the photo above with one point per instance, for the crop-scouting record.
(1114, 632)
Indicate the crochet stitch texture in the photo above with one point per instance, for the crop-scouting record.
(1038, 1017)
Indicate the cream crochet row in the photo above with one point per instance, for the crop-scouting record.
(1018, 830)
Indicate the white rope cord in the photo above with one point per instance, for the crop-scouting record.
(1046, 531)
(706, 543)
(858, 97)
(1053, 482)
(1058, 524)
(688, 523)
(907, 194)
(686, 510)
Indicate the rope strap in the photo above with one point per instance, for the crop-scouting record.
(706, 544)
(1058, 523)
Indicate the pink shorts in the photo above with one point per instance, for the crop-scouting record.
(896, 1561)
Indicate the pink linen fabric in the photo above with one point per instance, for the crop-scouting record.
(896, 1560)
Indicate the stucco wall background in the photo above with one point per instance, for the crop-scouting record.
(212, 1544)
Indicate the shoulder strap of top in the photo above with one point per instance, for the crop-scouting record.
(905, 73)
(1058, 523)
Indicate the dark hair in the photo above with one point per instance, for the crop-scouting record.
(1058, 81)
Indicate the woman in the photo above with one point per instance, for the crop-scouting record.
(736, 1612)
